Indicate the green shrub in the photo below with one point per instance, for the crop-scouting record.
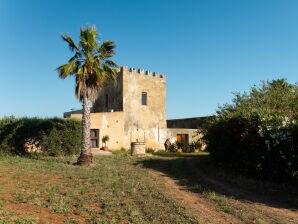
(150, 150)
(257, 134)
(54, 136)
(64, 138)
(8, 129)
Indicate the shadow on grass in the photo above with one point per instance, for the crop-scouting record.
(198, 174)
(181, 154)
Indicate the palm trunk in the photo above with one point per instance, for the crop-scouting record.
(85, 158)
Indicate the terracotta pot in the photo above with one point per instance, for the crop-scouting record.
(105, 148)
(196, 150)
(179, 150)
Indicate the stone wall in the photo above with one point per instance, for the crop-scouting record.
(172, 133)
(113, 93)
(111, 124)
(195, 122)
(144, 120)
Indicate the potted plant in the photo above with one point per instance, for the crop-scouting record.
(105, 139)
(197, 145)
(180, 146)
(173, 147)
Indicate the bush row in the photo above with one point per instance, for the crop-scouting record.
(258, 133)
(241, 144)
(51, 137)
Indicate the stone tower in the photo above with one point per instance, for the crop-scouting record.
(133, 109)
(142, 98)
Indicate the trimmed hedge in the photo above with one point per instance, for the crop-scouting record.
(54, 136)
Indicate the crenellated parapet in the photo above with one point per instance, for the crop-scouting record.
(132, 70)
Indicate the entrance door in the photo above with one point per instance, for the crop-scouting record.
(182, 138)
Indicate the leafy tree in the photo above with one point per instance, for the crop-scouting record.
(92, 68)
(277, 96)
(257, 133)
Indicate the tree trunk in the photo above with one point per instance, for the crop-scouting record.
(85, 158)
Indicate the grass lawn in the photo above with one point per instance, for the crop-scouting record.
(125, 189)
(54, 191)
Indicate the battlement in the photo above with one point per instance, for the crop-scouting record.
(140, 71)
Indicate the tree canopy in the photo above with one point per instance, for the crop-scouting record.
(90, 63)
(257, 133)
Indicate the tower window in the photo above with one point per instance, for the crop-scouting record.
(107, 101)
(144, 98)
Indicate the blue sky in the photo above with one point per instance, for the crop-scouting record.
(208, 49)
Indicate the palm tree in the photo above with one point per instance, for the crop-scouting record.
(92, 69)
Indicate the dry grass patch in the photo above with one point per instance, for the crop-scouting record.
(223, 195)
(54, 191)
(124, 189)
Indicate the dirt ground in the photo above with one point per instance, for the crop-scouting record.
(206, 211)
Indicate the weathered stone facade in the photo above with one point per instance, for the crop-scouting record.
(134, 110)
(110, 97)
(144, 122)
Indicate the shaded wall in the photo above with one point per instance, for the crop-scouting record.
(193, 123)
(110, 97)
(172, 134)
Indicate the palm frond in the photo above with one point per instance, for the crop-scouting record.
(80, 72)
(67, 69)
(72, 45)
(110, 73)
(79, 88)
(76, 57)
(99, 76)
(107, 49)
(89, 39)
(111, 63)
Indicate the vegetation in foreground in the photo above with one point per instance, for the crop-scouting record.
(121, 189)
(258, 133)
(114, 190)
(47, 137)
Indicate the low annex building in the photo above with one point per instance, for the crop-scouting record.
(134, 110)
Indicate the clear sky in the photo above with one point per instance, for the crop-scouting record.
(208, 49)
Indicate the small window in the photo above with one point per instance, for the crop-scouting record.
(144, 98)
(94, 137)
(107, 101)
